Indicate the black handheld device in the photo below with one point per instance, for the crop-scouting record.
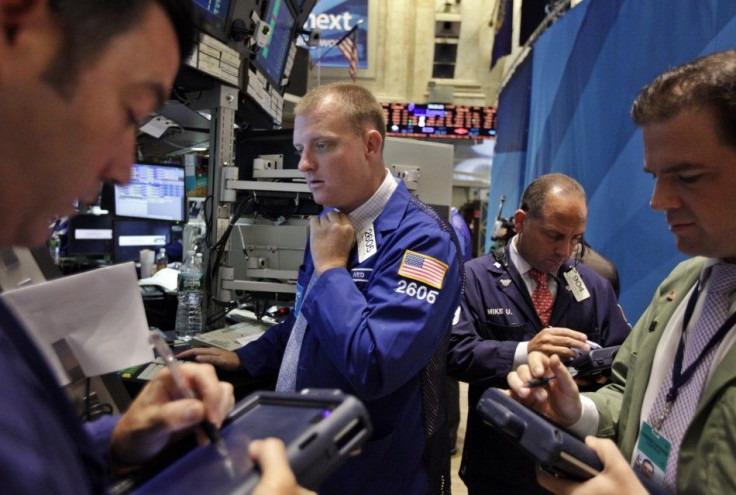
(320, 428)
(554, 448)
(594, 362)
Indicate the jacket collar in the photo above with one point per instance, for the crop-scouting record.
(510, 281)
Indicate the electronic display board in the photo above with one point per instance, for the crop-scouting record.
(440, 120)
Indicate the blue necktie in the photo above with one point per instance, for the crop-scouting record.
(286, 381)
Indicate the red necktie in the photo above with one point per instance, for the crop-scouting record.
(541, 297)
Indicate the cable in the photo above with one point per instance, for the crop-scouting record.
(218, 249)
(93, 408)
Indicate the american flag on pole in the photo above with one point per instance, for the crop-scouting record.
(349, 48)
(422, 268)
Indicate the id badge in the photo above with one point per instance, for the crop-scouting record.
(651, 454)
(576, 284)
(366, 243)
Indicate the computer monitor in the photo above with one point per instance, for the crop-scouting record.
(303, 8)
(131, 235)
(271, 59)
(212, 17)
(155, 192)
(90, 235)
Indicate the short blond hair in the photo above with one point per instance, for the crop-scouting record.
(356, 104)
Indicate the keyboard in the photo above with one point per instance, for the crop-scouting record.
(144, 372)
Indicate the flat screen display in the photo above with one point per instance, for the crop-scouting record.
(90, 235)
(272, 57)
(320, 432)
(155, 192)
(130, 236)
(211, 16)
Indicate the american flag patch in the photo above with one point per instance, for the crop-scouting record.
(423, 268)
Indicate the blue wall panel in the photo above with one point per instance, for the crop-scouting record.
(586, 70)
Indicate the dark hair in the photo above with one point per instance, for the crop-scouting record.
(707, 82)
(534, 196)
(88, 26)
(356, 104)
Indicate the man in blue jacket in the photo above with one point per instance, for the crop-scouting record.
(528, 296)
(381, 280)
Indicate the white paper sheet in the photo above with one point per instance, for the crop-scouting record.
(100, 314)
(167, 278)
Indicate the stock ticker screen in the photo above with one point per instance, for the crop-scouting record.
(440, 120)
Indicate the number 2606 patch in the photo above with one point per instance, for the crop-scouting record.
(412, 289)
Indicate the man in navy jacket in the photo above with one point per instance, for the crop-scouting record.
(498, 324)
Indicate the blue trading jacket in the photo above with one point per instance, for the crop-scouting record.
(371, 332)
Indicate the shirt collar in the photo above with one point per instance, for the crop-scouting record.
(517, 259)
(705, 272)
(366, 213)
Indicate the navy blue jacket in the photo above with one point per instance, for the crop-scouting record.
(496, 314)
(43, 446)
(371, 333)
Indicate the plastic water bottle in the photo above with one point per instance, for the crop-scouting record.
(162, 261)
(189, 309)
(54, 247)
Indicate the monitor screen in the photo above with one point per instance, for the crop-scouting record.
(211, 16)
(272, 57)
(90, 235)
(154, 192)
(130, 236)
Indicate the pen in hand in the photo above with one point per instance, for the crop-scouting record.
(539, 382)
(164, 352)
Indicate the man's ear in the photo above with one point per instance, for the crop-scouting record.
(519, 217)
(14, 13)
(373, 142)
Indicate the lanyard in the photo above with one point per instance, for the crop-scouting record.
(680, 376)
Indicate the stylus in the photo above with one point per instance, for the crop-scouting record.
(539, 382)
(163, 350)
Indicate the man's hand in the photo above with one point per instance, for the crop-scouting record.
(560, 341)
(277, 477)
(226, 360)
(158, 414)
(331, 237)
(616, 478)
(559, 400)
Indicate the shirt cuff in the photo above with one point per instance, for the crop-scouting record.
(521, 356)
(588, 422)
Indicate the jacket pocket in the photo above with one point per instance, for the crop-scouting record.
(494, 330)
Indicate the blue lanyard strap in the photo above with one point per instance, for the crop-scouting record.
(680, 376)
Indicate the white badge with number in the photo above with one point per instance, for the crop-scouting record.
(576, 284)
(366, 243)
